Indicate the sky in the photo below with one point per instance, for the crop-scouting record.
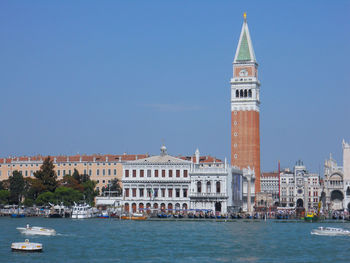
(127, 76)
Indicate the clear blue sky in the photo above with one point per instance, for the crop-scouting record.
(125, 76)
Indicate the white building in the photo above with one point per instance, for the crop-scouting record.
(209, 189)
(269, 184)
(157, 182)
(175, 183)
(299, 189)
(337, 181)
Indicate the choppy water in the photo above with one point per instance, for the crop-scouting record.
(110, 240)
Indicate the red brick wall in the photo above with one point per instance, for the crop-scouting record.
(247, 128)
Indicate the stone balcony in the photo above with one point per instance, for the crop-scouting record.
(208, 195)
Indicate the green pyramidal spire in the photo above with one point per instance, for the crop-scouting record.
(245, 51)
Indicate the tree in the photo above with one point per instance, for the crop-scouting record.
(67, 195)
(114, 187)
(89, 191)
(32, 188)
(45, 198)
(4, 197)
(47, 175)
(16, 187)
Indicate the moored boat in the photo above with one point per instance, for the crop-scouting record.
(82, 211)
(27, 246)
(134, 216)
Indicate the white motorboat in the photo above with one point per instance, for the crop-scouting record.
(36, 230)
(330, 231)
(27, 246)
(82, 211)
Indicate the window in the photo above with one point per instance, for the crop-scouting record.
(85, 171)
(103, 181)
(177, 173)
(218, 190)
(90, 172)
(241, 93)
(163, 192)
(58, 172)
(103, 172)
(70, 172)
(170, 173)
(156, 192)
(115, 172)
(156, 173)
(237, 93)
(177, 192)
(141, 173)
(149, 173)
(98, 172)
(127, 192)
(163, 173)
(26, 173)
(199, 187)
(109, 171)
(149, 192)
(126, 173)
(64, 172)
(133, 173)
(141, 192)
(170, 192)
(185, 173)
(185, 192)
(134, 192)
(250, 93)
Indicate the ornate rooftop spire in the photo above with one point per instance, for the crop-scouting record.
(245, 51)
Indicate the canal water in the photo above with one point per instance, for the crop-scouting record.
(111, 240)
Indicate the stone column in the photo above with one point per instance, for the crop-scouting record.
(248, 176)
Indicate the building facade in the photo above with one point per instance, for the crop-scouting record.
(101, 168)
(269, 184)
(299, 188)
(337, 182)
(245, 107)
(156, 183)
(209, 188)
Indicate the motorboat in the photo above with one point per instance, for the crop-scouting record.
(103, 214)
(36, 230)
(82, 211)
(27, 246)
(58, 211)
(330, 231)
(134, 216)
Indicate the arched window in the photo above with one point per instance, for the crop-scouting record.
(199, 187)
(237, 93)
(208, 187)
(218, 190)
(241, 93)
(250, 93)
(245, 93)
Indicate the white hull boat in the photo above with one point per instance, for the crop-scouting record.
(82, 211)
(36, 230)
(27, 246)
(330, 231)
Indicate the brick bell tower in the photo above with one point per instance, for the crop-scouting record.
(245, 106)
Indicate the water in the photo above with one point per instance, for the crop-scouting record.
(110, 240)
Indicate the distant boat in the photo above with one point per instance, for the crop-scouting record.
(134, 216)
(330, 231)
(18, 215)
(36, 230)
(82, 211)
(311, 217)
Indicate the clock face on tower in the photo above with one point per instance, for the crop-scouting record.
(243, 72)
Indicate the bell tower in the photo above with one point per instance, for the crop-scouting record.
(245, 107)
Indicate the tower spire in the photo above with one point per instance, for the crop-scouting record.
(245, 50)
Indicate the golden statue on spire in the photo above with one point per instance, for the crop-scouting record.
(245, 16)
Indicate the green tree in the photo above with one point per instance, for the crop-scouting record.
(45, 198)
(16, 187)
(32, 188)
(89, 191)
(114, 187)
(67, 195)
(47, 175)
(4, 197)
